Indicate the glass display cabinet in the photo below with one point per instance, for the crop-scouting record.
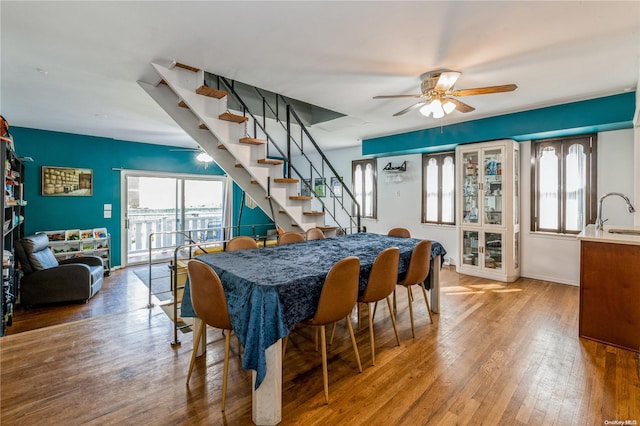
(487, 209)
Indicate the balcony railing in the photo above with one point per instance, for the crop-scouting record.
(153, 235)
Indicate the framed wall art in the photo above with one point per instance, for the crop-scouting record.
(336, 187)
(305, 187)
(67, 181)
(320, 187)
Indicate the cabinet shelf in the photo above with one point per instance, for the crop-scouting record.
(13, 229)
(69, 243)
(488, 179)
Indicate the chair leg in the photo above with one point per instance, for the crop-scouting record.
(284, 345)
(353, 341)
(393, 320)
(239, 347)
(395, 305)
(323, 340)
(413, 334)
(375, 308)
(357, 309)
(424, 293)
(227, 346)
(333, 333)
(371, 337)
(197, 336)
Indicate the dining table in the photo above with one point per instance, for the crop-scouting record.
(271, 289)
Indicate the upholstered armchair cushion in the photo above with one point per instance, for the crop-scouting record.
(36, 249)
(46, 280)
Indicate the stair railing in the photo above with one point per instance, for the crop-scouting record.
(352, 213)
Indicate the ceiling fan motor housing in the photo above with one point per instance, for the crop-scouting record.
(428, 84)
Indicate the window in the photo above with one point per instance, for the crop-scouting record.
(438, 183)
(364, 186)
(563, 184)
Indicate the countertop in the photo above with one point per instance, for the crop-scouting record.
(604, 236)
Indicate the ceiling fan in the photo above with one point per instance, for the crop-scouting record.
(438, 96)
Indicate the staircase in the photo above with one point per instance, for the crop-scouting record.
(274, 182)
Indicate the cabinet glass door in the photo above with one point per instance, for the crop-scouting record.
(493, 256)
(470, 247)
(470, 188)
(493, 186)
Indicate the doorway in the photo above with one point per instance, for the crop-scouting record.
(163, 211)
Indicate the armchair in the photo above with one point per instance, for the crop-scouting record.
(46, 280)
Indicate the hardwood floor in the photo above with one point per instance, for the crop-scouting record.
(496, 354)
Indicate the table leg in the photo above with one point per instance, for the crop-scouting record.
(267, 399)
(434, 281)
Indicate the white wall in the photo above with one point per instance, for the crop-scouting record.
(399, 203)
(557, 258)
(615, 174)
(547, 257)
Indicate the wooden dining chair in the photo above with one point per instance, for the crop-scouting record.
(399, 232)
(382, 281)
(241, 243)
(315, 234)
(210, 305)
(337, 300)
(417, 273)
(290, 238)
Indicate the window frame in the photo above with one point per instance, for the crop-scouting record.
(589, 142)
(364, 162)
(439, 156)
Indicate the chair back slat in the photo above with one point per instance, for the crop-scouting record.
(241, 243)
(399, 232)
(207, 295)
(419, 264)
(383, 276)
(339, 292)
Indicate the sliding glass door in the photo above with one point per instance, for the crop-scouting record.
(164, 211)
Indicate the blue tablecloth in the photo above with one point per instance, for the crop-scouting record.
(269, 290)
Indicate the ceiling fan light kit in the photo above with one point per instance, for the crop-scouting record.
(439, 98)
(203, 157)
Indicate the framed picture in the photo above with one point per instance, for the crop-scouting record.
(67, 181)
(305, 190)
(336, 188)
(319, 187)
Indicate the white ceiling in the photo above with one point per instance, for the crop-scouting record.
(74, 66)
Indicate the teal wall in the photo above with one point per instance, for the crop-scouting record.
(594, 115)
(252, 221)
(101, 155)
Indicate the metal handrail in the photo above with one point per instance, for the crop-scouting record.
(290, 167)
(188, 234)
(174, 270)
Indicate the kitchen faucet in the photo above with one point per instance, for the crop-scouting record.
(599, 221)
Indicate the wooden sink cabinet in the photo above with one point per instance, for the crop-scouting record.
(610, 290)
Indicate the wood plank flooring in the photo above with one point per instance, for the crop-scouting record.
(496, 354)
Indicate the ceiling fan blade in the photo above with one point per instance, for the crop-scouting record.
(446, 81)
(485, 90)
(412, 107)
(460, 106)
(397, 96)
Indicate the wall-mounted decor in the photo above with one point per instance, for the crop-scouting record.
(336, 187)
(394, 174)
(319, 187)
(305, 188)
(67, 181)
(397, 169)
